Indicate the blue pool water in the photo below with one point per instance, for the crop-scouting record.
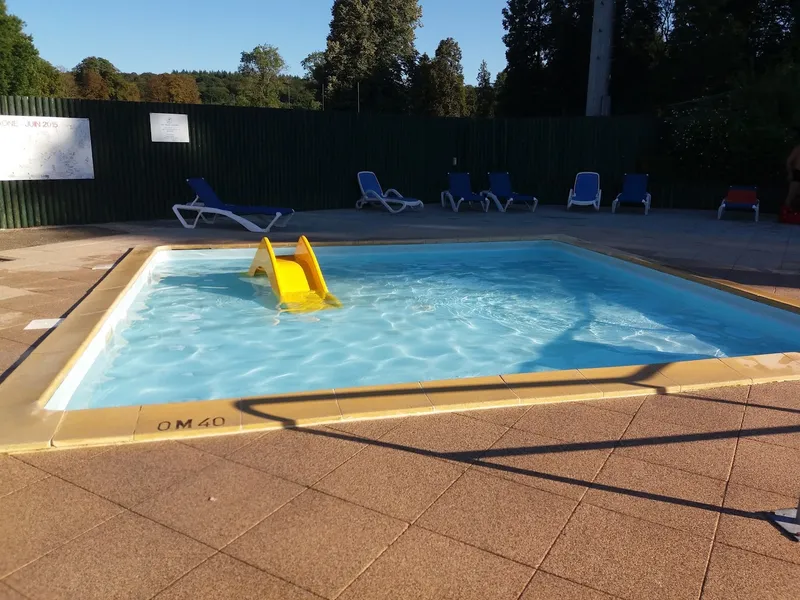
(200, 329)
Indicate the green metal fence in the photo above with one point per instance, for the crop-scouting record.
(308, 160)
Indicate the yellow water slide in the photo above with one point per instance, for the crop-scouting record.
(296, 279)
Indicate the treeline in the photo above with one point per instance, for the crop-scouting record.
(722, 74)
(665, 52)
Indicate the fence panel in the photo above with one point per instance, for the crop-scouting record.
(308, 160)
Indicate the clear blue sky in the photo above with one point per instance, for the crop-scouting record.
(163, 35)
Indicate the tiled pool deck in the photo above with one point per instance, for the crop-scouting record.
(647, 497)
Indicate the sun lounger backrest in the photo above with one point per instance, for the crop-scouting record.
(741, 194)
(369, 183)
(205, 192)
(459, 185)
(634, 187)
(587, 185)
(500, 184)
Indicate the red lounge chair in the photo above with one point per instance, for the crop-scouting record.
(740, 197)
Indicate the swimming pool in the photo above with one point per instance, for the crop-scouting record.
(195, 327)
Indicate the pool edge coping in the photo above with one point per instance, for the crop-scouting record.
(26, 425)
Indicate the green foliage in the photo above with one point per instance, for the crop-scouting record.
(22, 71)
(261, 71)
(172, 87)
(422, 86)
(745, 134)
(216, 87)
(98, 79)
(639, 51)
(567, 51)
(371, 46)
(484, 94)
(470, 101)
(526, 23)
(314, 67)
(299, 92)
(448, 98)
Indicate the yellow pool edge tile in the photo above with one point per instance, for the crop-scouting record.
(289, 410)
(187, 419)
(621, 382)
(693, 375)
(370, 401)
(96, 427)
(452, 395)
(23, 431)
(551, 386)
(767, 368)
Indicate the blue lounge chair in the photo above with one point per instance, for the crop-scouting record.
(502, 194)
(206, 202)
(740, 197)
(460, 190)
(634, 192)
(586, 191)
(371, 192)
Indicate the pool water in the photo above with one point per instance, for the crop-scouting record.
(199, 329)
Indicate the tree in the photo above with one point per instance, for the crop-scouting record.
(299, 92)
(371, 46)
(484, 95)
(22, 71)
(499, 91)
(748, 130)
(447, 78)
(98, 79)
(314, 66)
(261, 69)
(422, 87)
(172, 87)
(638, 52)
(568, 41)
(216, 87)
(526, 23)
(68, 87)
(470, 101)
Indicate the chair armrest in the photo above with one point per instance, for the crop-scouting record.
(373, 194)
(394, 191)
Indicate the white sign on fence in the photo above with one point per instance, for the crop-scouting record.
(168, 127)
(33, 148)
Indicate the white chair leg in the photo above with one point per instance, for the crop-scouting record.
(756, 208)
(497, 202)
(720, 211)
(614, 206)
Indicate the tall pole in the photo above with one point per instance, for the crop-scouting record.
(598, 102)
(358, 91)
